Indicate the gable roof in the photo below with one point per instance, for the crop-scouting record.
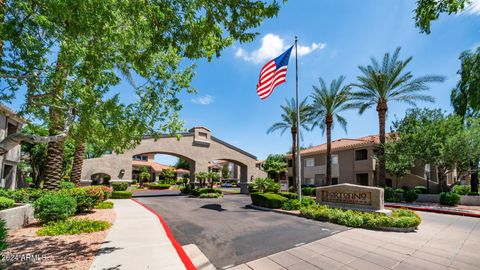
(157, 167)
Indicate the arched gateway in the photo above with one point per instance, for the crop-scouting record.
(197, 146)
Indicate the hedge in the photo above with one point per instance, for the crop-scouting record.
(309, 191)
(121, 195)
(289, 195)
(410, 195)
(198, 191)
(157, 186)
(449, 198)
(401, 218)
(269, 200)
(119, 186)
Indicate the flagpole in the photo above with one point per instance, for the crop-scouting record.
(299, 163)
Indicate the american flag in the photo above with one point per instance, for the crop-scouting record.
(273, 74)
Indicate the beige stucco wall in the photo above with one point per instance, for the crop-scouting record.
(12, 157)
(194, 147)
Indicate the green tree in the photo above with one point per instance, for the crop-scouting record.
(398, 159)
(430, 10)
(275, 165)
(327, 104)
(144, 175)
(168, 175)
(225, 171)
(182, 164)
(212, 176)
(465, 99)
(202, 177)
(381, 83)
(35, 153)
(289, 122)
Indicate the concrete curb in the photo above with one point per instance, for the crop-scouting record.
(297, 214)
(439, 211)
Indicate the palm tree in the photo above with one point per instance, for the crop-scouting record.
(386, 82)
(327, 103)
(289, 122)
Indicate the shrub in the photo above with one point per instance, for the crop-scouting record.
(119, 186)
(388, 193)
(269, 200)
(472, 193)
(104, 205)
(85, 197)
(157, 186)
(73, 226)
(308, 191)
(393, 199)
(54, 206)
(400, 218)
(289, 195)
(102, 192)
(20, 195)
(6, 203)
(265, 185)
(3, 237)
(199, 191)
(449, 198)
(410, 195)
(295, 204)
(186, 189)
(421, 189)
(210, 195)
(35, 193)
(66, 185)
(399, 190)
(461, 189)
(121, 195)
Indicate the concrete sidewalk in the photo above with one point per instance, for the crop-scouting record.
(138, 240)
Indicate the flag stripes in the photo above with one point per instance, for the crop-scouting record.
(273, 74)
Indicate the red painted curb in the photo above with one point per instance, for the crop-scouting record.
(181, 253)
(467, 214)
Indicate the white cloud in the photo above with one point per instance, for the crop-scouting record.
(272, 46)
(473, 8)
(204, 100)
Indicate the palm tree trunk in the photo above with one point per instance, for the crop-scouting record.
(329, 151)
(294, 157)
(53, 164)
(77, 164)
(382, 110)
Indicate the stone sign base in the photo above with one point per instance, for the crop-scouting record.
(350, 196)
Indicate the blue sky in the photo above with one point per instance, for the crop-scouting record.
(334, 38)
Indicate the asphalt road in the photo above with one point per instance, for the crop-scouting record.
(230, 234)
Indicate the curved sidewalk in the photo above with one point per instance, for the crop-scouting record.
(139, 240)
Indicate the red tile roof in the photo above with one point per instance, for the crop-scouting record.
(157, 167)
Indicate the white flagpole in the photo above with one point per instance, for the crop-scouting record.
(299, 163)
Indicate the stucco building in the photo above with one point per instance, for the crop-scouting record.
(10, 122)
(353, 162)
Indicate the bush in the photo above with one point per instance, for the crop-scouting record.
(121, 195)
(54, 206)
(472, 193)
(35, 193)
(157, 186)
(393, 199)
(6, 203)
(3, 237)
(400, 218)
(119, 186)
(102, 192)
(449, 198)
(309, 191)
(269, 200)
(210, 195)
(410, 195)
(199, 191)
(104, 205)
(388, 193)
(73, 226)
(421, 189)
(186, 189)
(20, 195)
(295, 204)
(289, 195)
(66, 185)
(461, 189)
(399, 190)
(85, 197)
(265, 185)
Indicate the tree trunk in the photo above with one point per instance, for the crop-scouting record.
(382, 110)
(294, 157)
(328, 123)
(53, 164)
(77, 164)
(474, 176)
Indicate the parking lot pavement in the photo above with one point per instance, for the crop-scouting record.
(230, 234)
(441, 242)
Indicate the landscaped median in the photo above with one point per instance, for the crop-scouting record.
(204, 193)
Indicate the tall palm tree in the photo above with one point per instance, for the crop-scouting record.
(289, 122)
(327, 103)
(381, 83)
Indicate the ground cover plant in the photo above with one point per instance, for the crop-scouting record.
(401, 218)
(104, 205)
(295, 204)
(199, 191)
(73, 226)
(6, 203)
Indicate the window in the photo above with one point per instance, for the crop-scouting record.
(362, 179)
(202, 135)
(11, 129)
(361, 154)
(309, 181)
(334, 159)
(334, 181)
(290, 163)
(140, 157)
(309, 162)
